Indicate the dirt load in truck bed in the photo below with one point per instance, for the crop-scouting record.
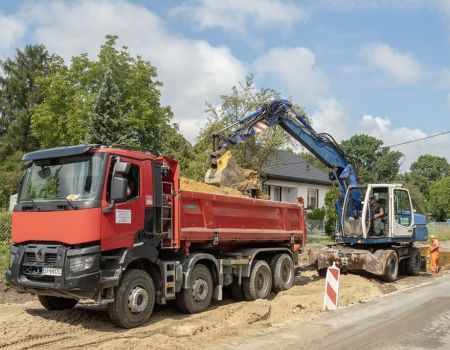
(192, 185)
(28, 325)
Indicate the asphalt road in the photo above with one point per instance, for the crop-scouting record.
(415, 318)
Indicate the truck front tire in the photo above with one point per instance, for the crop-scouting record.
(259, 284)
(134, 299)
(413, 263)
(57, 303)
(198, 296)
(282, 268)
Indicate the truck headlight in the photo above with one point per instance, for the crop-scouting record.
(80, 263)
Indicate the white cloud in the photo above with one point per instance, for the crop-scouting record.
(400, 67)
(236, 15)
(382, 129)
(193, 71)
(12, 30)
(295, 70)
(329, 117)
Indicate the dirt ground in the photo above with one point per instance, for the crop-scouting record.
(24, 324)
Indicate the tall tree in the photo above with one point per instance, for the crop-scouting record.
(252, 153)
(376, 163)
(107, 125)
(440, 198)
(20, 92)
(72, 94)
(431, 167)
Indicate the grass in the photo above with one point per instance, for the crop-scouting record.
(441, 231)
(4, 256)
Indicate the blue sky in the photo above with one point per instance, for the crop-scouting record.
(376, 66)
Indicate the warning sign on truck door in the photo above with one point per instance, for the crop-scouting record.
(123, 216)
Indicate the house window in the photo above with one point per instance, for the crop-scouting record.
(266, 189)
(313, 198)
(276, 193)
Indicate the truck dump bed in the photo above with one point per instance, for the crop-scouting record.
(224, 220)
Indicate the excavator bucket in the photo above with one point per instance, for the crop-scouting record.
(227, 173)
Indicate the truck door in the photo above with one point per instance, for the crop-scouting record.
(402, 216)
(119, 226)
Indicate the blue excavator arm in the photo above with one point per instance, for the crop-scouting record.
(280, 112)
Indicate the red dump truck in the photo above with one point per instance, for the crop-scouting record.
(112, 225)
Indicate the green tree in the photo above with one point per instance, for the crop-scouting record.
(72, 95)
(440, 198)
(10, 170)
(20, 91)
(376, 163)
(426, 169)
(431, 167)
(251, 153)
(107, 125)
(330, 210)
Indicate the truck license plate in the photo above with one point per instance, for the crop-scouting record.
(52, 271)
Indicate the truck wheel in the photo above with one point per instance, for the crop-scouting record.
(134, 299)
(413, 263)
(198, 296)
(57, 303)
(391, 266)
(282, 268)
(236, 290)
(259, 284)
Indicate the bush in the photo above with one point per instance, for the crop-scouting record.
(316, 214)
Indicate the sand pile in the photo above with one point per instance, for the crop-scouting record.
(192, 185)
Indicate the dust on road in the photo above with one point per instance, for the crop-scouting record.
(28, 325)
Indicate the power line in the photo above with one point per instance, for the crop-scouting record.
(422, 138)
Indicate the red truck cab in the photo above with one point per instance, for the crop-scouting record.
(112, 225)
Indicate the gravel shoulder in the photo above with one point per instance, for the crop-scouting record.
(24, 324)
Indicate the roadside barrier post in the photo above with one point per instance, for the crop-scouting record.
(331, 298)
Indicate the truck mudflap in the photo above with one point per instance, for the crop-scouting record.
(350, 259)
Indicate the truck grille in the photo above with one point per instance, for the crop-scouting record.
(30, 258)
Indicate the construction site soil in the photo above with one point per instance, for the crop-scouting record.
(25, 324)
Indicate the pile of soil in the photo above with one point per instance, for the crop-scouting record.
(192, 185)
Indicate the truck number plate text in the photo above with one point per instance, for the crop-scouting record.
(51, 271)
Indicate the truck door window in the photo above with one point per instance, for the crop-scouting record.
(402, 208)
(133, 182)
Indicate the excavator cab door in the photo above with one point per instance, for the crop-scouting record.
(402, 214)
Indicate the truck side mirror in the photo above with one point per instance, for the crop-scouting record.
(122, 168)
(119, 187)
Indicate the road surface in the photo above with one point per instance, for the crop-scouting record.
(415, 318)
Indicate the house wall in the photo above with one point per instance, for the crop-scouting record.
(291, 190)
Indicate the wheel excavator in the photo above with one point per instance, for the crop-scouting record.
(381, 246)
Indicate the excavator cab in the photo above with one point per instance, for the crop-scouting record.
(376, 211)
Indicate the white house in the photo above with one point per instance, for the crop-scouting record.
(285, 176)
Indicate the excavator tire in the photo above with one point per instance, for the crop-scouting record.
(412, 264)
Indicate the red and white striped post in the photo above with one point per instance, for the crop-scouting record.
(331, 299)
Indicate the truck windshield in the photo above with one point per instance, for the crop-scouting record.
(74, 178)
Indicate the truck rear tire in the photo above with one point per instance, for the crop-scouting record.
(134, 299)
(282, 268)
(198, 296)
(57, 303)
(413, 263)
(259, 284)
(391, 266)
